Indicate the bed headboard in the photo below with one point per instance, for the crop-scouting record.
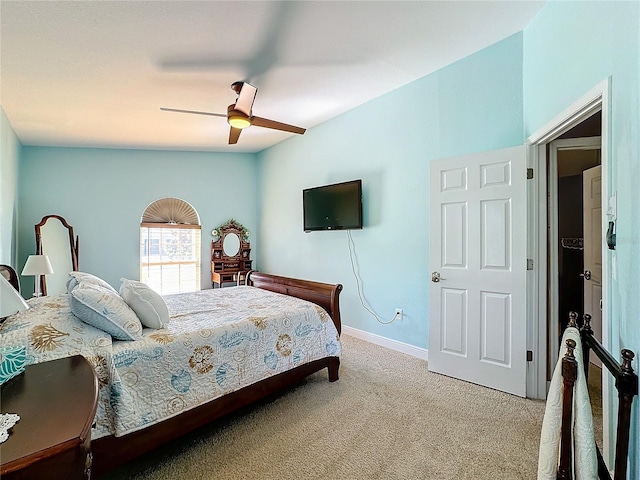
(324, 294)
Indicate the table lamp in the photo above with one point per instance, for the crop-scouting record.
(10, 300)
(12, 358)
(37, 265)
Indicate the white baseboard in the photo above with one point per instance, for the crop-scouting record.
(418, 352)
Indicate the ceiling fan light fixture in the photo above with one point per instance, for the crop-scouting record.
(239, 121)
(237, 118)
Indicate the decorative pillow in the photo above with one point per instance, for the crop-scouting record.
(12, 362)
(100, 307)
(147, 303)
(76, 277)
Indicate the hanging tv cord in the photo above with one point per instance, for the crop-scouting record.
(352, 247)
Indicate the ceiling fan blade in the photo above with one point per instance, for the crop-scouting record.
(266, 123)
(247, 95)
(234, 134)
(164, 109)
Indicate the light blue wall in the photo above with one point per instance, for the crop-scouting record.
(9, 156)
(472, 105)
(568, 49)
(102, 193)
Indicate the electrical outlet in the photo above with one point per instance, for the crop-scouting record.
(398, 314)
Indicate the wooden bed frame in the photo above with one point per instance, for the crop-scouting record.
(110, 452)
(626, 385)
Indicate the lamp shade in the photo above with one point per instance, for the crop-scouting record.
(37, 265)
(10, 300)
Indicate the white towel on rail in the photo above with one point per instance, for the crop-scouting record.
(585, 463)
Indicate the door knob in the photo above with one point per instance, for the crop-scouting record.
(435, 277)
(586, 274)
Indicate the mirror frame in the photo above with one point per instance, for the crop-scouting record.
(221, 232)
(73, 245)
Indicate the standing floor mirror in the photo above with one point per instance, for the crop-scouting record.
(54, 238)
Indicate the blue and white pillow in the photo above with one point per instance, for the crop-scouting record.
(82, 277)
(105, 309)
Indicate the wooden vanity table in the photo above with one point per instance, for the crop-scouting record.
(230, 255)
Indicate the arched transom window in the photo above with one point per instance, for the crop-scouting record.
(170, 246)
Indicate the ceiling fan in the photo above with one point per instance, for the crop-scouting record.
(239, 113)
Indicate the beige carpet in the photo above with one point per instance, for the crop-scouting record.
(386, 418)
(595, 396)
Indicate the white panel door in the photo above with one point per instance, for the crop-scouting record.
(592, 223)
(477, 318)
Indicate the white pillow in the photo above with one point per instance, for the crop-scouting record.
(76, 277)
(100, 307)
(147, 303)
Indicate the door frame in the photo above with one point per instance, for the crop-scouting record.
(597, 99)
(584, 143)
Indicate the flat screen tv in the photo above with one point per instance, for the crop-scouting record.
(333, 207)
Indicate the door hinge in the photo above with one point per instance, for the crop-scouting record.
(529, 173)
(529, 356)
(529, 264)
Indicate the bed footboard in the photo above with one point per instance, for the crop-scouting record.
(110, 452)
(626, 383)
(569, 376)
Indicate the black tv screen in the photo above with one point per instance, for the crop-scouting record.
(333, 207)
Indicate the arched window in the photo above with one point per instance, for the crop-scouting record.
(170, 246)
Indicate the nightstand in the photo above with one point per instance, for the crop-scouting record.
(57, 403)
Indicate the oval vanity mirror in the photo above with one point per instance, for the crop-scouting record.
(54, 238)
(231, 244)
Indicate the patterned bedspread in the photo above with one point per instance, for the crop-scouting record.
(217, 341)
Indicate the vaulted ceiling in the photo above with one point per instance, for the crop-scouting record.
(95, 73)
